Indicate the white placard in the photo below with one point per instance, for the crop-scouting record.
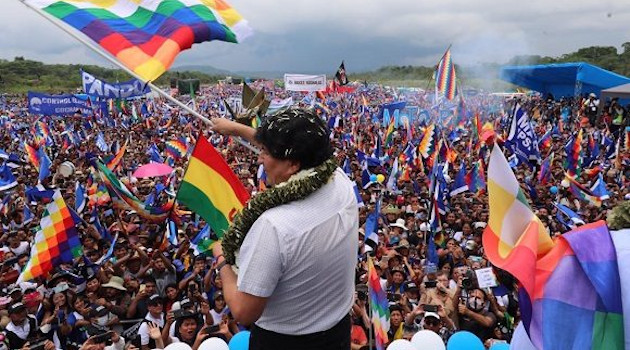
(486, 278)
(302, 82)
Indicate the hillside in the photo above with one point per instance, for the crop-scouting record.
(21, 75)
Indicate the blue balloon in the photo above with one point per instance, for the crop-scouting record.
(240, 341)
(373, 178)
(464, 340)
(500, 346)
(553, 189)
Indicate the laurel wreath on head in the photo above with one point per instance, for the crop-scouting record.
(297, 187)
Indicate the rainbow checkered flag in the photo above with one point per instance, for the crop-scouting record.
(380, 307)
(147, 35)
(57, 241)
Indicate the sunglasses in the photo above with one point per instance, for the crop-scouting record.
(431, 322)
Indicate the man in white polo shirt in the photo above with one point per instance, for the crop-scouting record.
(296, 262)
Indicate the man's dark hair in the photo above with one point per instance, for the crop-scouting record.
(296, 134)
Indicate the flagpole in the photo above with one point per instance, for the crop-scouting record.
(130, 72)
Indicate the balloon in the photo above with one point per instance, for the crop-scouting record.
(553, 189)
(520, 339)
(464, 340)
(178, 346)
(240, 341)
(373, 178)
(565, 183)
(213, 344)
(401, 344)
(427, 340)
(500, 346)
(380, 178)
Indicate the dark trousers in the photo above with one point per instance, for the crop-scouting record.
(336, 338)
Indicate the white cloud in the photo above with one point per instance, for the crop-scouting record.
(315, 35)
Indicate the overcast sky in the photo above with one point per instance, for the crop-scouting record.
(309, 36)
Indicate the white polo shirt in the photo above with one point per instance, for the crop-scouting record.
(302, 256)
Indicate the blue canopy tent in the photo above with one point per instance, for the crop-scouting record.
(562, 79)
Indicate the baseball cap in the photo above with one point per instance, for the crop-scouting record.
(17, 307)
(431, 314)
(154, 300)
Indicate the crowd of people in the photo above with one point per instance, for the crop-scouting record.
(147, 295)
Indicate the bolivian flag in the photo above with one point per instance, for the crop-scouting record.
(211, 189)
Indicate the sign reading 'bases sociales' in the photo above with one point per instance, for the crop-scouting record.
(302, 82)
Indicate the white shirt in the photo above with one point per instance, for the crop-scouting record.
(143, 331)
(302, 256)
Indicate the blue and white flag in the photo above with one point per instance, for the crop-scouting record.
(459, 185)
(371, 226)
(33, 194)
(44, 164)
(27, 215)
(109, 252)
(102, 230)
(154, 154)
(565, 213)
(7, 180)
(81, 197)
(204, 233)
(599, 188)
(101, 143)
(100, 88)
(522, 140)
(393, 177)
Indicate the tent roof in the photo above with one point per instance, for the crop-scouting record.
(561, 79)
(621, 89)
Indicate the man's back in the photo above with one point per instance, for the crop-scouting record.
(302, 256)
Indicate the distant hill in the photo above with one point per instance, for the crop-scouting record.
(21, 75)
(210, 70)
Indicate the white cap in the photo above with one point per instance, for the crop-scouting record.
(431, 314)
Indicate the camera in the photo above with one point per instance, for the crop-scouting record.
(430, 284)
(37, 344)
(430, 308)
(468, 282)
(393, 297)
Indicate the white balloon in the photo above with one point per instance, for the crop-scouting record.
(427, 340)
(178, 346)
(565, 183)
(401, 344)
(213, 343)
(520, 339)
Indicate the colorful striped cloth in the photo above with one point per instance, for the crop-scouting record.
(389, 133)
(123, 198)
(445, 78)
(176, 148)
(545, 169)
(427, 144)
(573, 160)
(31, 154)
(57, 242)
(515, 236)
(147, 35)
(379, 305)
(582, 193)
(578, 283)
(211, 189)
(115, 161)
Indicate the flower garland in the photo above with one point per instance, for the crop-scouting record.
(298, 187)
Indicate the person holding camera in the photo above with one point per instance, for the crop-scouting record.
(474, 315)
(432, 318)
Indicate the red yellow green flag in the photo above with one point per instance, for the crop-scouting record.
(211, 189)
